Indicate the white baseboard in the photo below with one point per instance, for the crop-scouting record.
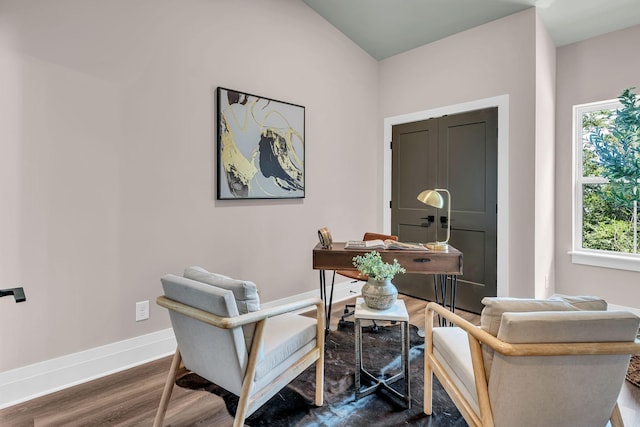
(28, 382)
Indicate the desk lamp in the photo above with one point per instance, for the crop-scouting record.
(433, 198)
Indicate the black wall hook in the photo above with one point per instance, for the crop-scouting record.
(18, 294)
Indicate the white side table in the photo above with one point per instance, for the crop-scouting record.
(397, 313)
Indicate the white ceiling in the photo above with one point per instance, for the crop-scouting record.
(385, 28)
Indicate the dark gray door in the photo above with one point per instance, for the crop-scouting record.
(459, 153)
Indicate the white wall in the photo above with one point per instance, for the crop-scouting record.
(108, 147)
(544, 162)
(495, 59)
(597, 69)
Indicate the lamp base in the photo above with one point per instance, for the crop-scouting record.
(437, 246)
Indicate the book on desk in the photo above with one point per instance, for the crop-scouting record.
(384, 244)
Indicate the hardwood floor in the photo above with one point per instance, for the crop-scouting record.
(131, 397)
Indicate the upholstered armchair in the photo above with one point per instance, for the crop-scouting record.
(225, 336)
(556, 362)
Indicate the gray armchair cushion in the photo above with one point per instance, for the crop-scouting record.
(451, 348)
(495, 307)
(582, 302)
(591, 381)
(284, 336)
(245, 293)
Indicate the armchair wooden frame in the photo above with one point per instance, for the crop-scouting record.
(249, 403)
(478, 337)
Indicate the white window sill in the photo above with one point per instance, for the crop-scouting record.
(607, 260)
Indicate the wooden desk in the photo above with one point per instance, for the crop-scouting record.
(445, 266)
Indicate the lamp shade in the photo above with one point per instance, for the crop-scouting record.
(431, 198)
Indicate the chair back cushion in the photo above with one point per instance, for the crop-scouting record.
(217, 354)
(590, 303)
(495, 307)
(244, 292)
(559, 390)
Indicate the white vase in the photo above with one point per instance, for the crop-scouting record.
(379, 294)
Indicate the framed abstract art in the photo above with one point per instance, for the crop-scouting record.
(260, 147)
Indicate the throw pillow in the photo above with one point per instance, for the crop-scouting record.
(244, 291)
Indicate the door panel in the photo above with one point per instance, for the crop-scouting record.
(459, 153)
(414, 157)
(472, 242)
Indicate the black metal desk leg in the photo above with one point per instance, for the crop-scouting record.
(440, 283)
(454, 285)
(443, 289)
(323, 297)
(322, 288)
(439, 288)
(333, 281)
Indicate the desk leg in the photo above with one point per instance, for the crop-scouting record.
(440, 289)
(454, 286)
(323, 297)
(322, 288)
(440, 282)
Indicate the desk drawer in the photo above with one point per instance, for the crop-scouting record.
(430, 262)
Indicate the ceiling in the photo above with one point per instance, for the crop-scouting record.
(384, 28)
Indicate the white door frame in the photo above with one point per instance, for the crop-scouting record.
(502, 102)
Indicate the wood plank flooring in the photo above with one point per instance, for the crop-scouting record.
(131, 397)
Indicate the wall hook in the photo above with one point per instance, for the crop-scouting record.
(18, 294)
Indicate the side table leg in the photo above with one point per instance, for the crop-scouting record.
(358, 333)
(406, 346)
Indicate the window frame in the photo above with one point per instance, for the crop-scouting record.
(580, 255)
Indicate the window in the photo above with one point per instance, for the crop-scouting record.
(607, 164)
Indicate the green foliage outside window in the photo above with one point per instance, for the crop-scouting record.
(605, 226)
(611, 150)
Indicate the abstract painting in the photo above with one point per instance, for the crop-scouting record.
(260, 147)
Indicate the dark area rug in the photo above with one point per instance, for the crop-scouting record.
(633, 372)
(293, 406)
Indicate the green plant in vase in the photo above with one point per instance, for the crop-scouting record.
(378, 293)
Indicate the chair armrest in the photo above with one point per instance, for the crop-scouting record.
(244, 319)
(479, 334)
(543, 349)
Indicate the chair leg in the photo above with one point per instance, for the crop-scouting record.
(616, 417)
(320, 372)
(428, 383)
(168, 388)
(428, 372)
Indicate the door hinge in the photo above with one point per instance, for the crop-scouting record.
(390, 204)
(390, 145)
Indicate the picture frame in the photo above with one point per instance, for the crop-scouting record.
(260, 147)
